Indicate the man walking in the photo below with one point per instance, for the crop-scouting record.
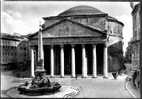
(115, 74)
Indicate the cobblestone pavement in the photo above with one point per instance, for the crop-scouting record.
(135, 92)
(99, 87)
(88, 87)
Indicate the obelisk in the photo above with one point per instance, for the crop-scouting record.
(40, 65)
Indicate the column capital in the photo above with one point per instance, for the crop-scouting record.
(51, 46)
(32, 47)
(105, 44)
(62, 46)
(83, 45)
(94, 45)
(72, 45)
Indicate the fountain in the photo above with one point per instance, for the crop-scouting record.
(40, 84)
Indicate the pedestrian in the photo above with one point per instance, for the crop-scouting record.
(76, 76)
(115, 74)
(134, 76)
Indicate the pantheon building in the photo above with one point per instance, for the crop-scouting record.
(81, 41)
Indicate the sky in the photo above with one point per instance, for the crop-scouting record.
(24, 17)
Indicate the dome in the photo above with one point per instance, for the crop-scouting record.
(81, 10)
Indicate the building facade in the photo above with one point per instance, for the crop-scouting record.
(135, 42)
(15, 51)
(8, 48)
(79, 41)
(23, 51)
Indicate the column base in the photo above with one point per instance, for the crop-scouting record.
(105, 77)
(84, 76)
(52, 76)
(94, 77)
(32, 76)
(73, 76)
(62, 76)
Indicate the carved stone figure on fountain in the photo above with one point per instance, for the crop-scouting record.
(41, 81)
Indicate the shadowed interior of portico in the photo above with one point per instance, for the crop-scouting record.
(100, 59)
(68, 59)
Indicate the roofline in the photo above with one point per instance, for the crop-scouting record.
(92, 15)
(103, 32)
(114, 20)
(71, 37)
(75, 23)
(3, 38)
(32, 34)
(97, 15)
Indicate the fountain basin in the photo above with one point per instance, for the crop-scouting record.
(63, 92)
(41, 90)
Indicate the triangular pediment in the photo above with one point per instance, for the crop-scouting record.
(67, 28)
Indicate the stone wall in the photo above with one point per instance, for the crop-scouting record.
(8, 51)
(135, 55)
(115, 57)
(136, 24)
(136, 37)
(23, 52)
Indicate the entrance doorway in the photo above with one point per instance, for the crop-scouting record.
(67, 59)
(57, 63)
(47, 59)
(100, 60)
(89, 53)
(78, 59)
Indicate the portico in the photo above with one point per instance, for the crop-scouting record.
(74, 60)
